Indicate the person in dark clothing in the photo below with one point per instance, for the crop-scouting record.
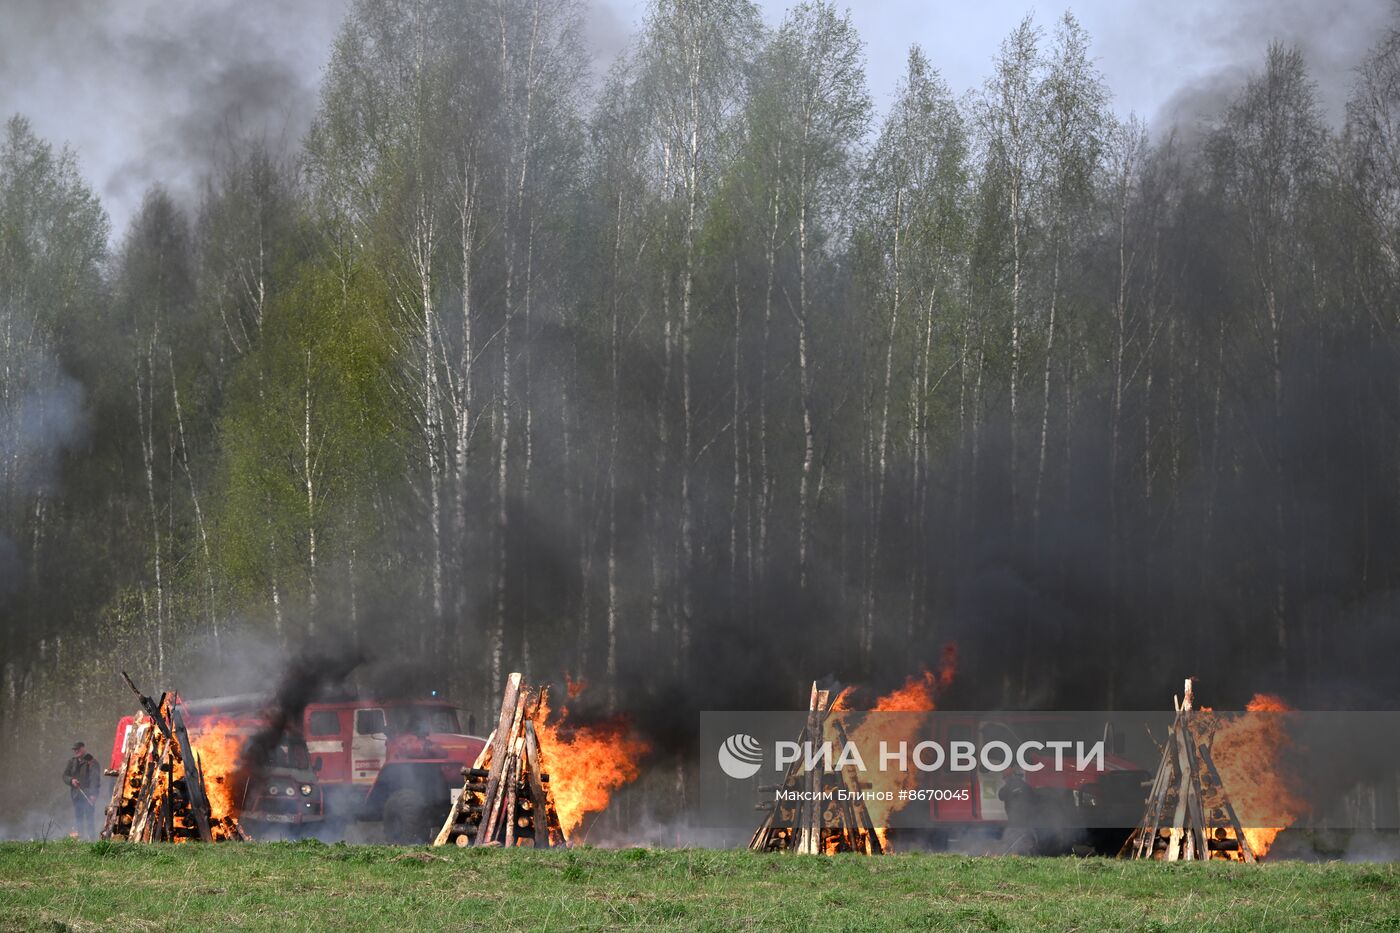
(1020, 837)
(82, 778)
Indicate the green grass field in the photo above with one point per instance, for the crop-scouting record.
(305, 886)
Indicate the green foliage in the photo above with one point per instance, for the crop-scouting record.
(309, 433)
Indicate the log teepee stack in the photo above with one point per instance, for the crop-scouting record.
(821, 824)
(1188, 815)
(159, 794)
(506, 799)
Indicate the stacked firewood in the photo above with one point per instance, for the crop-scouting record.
(506, 798)
(1189, 816)
(830, 815)
(159, 794)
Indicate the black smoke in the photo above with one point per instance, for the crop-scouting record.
(308, 675)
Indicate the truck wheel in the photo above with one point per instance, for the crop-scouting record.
(408, 820)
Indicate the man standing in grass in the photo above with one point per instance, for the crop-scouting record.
(82, 777)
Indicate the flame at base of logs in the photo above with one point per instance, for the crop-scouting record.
(506, 799)
(159, 794)
(818, 821)
(1189, 816)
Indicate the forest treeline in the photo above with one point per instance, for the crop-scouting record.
(708, 379)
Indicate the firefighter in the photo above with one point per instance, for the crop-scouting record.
(82, 776)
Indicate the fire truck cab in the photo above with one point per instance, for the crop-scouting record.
(397, 761)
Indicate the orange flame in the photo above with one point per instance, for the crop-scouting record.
(842, 703)
(916, 696)
(1268, 703)
(1249, 754)
(919, 694)
(218, 744)
(586, 763)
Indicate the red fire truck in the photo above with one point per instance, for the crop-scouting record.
(397, 761)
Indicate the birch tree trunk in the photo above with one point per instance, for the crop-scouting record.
(309, 483)
(145, 416)
(882, 467)
(1045, 397)
(809, 447)
(200, 527)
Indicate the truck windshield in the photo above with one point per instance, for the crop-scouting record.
(291, 753)
(415, 719)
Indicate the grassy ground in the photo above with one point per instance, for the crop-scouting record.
(304, 886)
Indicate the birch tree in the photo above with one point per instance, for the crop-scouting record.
(53, 244)
(1267, 151)
(694, 57)
(156, 292)
(1073, 108)
(814, 70)
(1010, 116)
(913, 198)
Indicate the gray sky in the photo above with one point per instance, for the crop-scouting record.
(1147, 50)
(141, 88)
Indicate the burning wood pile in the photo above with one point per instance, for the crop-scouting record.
(845, 819)
(818, 820)
(1189, 815)
(507, 799)
(160, 794)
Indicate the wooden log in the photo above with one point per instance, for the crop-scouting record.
(765, 834)
(142, 814)
(483, 757)
(513, 791)
(1161, 788)
(1246, 851)
(1194, 808)
(500, 819)
(1183, 774)
(539, 796)
(472, 789)
(194, 777)
(860, 816)
(809, 834)
(134, 751)
(509, 710)
(1183, 751)
(167, 823)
